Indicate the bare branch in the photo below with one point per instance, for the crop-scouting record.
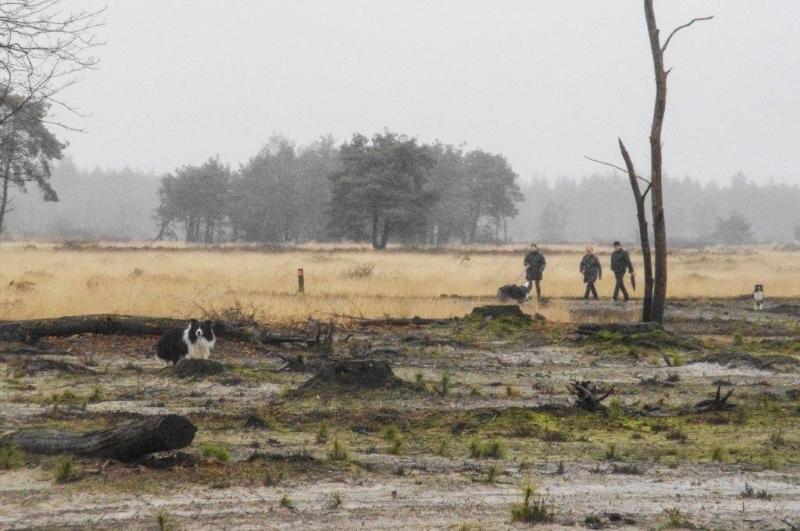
(623, 170)
(676, 30)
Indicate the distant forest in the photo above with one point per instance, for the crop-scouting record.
(387, 189)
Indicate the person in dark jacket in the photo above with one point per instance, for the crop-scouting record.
(620, 263)
(592, 272)
(534, 267)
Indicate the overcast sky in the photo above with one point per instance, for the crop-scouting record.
(543, 82)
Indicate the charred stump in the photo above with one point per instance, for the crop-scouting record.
(716, 403)
(124, 442)
(362, 373)
(588, 395)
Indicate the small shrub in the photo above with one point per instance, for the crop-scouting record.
(444, 448)
(673, 377)
(322, 434)
(273, 477)
(286, 503)
(66, 397)
(338, 452)
(491, 474)
(491, 449)
(444, 384)
(396, 445)
(215, 451)
(675, 519)
(98, 394)
(511, 391)
(738, 339)
(717, 454)
(390, 433)
(11, 457)
(750, 492)
(611, 452)
(163, 521)
(777, 439)
(674, 434)
(560, 469)
(336, 500)
(66, 470)
(534, 509)
(475, 391)
(419, 380)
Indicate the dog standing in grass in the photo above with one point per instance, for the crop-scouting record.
(193, 342)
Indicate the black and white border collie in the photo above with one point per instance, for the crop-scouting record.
(193, 342)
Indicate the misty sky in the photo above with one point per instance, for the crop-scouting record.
(543, 82)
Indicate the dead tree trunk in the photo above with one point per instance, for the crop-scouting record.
(125, 442)
(657, 199)
(644, 235)
(655, 288)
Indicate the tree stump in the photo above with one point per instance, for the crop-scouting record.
(588, 395)
(196, 368)
(124, 442)
(367, 373)
(716, 403)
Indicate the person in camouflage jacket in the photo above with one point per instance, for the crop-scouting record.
(592, 272)
(620, 263)
(534, 267)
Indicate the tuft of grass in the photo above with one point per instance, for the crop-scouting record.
(11, 457)
(164, 521)
(475, 391)
(467, 526)
(322, 434)
(335, 501)
(98, 394)
(777, 439)
(444, 447)
(491, 474)
(419, 380)
(215, 451)
(66, 397)
(445, 384)
(534, 508)
(286, 503)
(750, 492)
(611, 452)
(390, 433)
(66, 470)
(491, 449)
(511, 391)
(738, 339)
(338, 452)
(560, 469)
(717, 454)
(396, 446)
(674, 519)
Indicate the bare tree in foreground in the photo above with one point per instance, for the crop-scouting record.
(43, 50)
(655, 288)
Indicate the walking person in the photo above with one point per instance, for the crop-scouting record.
(620, 263)
(592, 272)
(534, 267)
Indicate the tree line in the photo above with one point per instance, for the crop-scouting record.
(385, 188)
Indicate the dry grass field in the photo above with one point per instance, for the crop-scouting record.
(47, 280)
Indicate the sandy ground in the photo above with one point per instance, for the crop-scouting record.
(417, 488)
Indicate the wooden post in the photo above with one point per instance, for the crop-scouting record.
(301, 283)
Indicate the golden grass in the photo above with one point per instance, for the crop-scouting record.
(45, 281)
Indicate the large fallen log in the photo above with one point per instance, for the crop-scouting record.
(413, 321)
(30, 331)
(125, 442)
(590, 329)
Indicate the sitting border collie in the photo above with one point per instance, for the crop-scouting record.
(193, 342)
(512, 292)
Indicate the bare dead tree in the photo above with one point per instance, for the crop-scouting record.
(43, 50)
(655, 290)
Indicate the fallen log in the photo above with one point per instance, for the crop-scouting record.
(414, 321)
(124, 442)
(30, 331)
(626, 329)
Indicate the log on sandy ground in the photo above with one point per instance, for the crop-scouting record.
(125, 442)
(30, 331)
